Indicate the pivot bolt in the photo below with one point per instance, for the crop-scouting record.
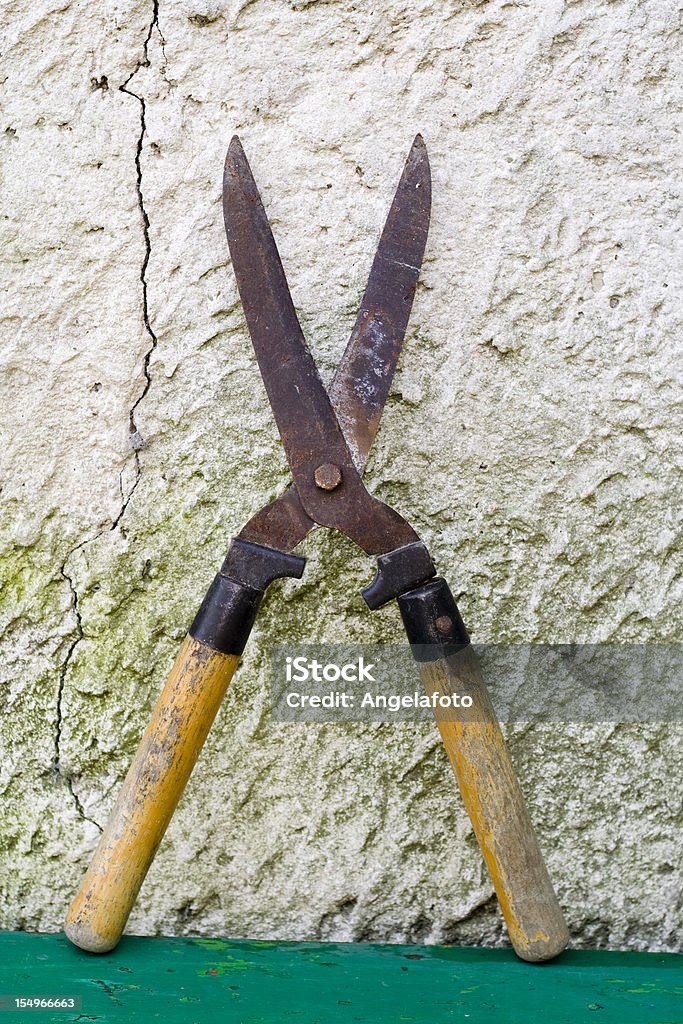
(328, 476)
(444, 623)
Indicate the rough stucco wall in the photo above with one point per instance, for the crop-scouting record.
(532, 437)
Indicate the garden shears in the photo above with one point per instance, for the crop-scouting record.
(327, 438)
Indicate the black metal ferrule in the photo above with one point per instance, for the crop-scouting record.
(397, 571)
(432, 621)
(256, 565)
(227, 613)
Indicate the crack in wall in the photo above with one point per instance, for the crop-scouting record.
(136, 439)
(57, 772)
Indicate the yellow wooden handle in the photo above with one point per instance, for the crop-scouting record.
(495, 804)
(152, 788)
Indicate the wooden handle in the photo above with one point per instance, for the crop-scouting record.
(151, 790)
(495, 804)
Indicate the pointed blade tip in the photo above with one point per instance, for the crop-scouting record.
(419, 145)
(238, 181)
(418, 158)
(235, 153)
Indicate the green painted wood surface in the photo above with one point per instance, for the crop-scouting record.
(198, 980)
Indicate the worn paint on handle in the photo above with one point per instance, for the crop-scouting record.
(152, 788)
(495, 804)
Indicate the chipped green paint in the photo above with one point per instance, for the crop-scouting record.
(226, 944)
(339, 982)
(212, 944)
(227, 966)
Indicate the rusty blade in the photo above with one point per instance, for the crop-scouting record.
(309, 428)
(363, 379)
